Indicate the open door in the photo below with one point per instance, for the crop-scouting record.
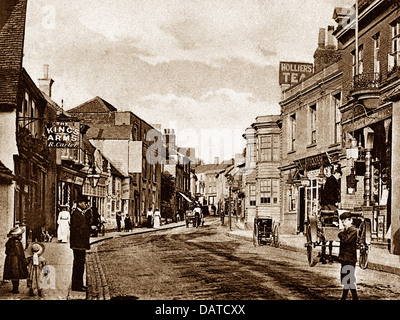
(302, 210)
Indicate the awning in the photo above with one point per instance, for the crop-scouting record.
(185, 197)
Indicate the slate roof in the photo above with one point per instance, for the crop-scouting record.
(110, 132)
(12, 30)
(9, 80)
(204, 168)
(95, 105)
(5, 173)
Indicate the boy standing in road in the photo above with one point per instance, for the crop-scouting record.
(348, 256)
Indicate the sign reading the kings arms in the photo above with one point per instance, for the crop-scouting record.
(63, 134)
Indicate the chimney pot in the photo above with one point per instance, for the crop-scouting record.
(45, 71)
(46, 83)
(331, 42)
(321, 38)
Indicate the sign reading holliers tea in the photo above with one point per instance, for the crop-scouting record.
(293, 72)
(63, 134)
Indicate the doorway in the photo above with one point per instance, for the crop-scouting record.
(302, 210)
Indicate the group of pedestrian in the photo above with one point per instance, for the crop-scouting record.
(127, 221)
(153, 218)
(77, 227)
(20, 264)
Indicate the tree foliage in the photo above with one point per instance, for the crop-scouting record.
(167, 186)
(167, 194)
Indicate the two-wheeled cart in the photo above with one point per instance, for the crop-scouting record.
(265, 231)
(325, 227)
(190, 218)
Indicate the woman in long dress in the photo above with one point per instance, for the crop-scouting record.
(157, 219)
(63, 221)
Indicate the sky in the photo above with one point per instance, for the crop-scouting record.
(204, 68)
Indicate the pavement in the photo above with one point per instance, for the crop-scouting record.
(59, 259)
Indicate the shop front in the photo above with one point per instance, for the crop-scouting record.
(303, 182)
(368, 151)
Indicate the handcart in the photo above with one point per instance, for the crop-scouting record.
(190, 218)
(265, 231)
(325, 227)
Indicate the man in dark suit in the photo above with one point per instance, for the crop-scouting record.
(80, 228)
(331, 192)
(330, 198)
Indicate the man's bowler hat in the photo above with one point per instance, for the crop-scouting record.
(82, 198)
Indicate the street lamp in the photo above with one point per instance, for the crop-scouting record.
(230, 182)
(93, 177)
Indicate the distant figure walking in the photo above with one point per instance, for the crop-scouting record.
(197, 213)
(157, 218)
(150, 218)
(64, 218)
(128, 223)
(118, 217)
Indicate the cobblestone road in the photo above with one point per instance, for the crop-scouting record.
(205, 264)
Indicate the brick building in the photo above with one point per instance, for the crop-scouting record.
(311, 135)
(125, 139)
(262, 173)
(370, 50)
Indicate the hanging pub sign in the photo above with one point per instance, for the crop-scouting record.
(63, 134)
(291, 73)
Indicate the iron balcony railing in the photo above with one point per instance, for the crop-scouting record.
(370, 80)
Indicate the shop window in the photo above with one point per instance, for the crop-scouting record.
(312, 198)
(292, 196)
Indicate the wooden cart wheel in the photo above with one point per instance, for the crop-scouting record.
(367, 237)
(276, 236)
(312, 256)
(365, 240)
(255, 235)
(363, 259)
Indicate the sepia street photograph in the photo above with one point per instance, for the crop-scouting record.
(197, 158)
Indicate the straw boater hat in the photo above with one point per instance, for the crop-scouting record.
(35, 247)
(15, 232)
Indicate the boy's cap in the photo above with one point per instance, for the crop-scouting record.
(345, 215)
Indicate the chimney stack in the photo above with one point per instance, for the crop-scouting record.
(321, 38)
(331, 41)
(325, 54)
(170, 139)
(46, 83)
